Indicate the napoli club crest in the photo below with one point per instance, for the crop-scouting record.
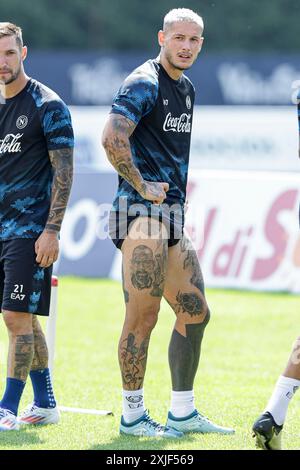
(22, 122)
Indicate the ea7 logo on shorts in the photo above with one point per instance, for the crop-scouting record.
(17, 293)
(22, 122)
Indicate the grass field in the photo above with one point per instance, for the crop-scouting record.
(245, 348)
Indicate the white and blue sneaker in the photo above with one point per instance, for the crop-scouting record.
(145, 426)
(8, 421)
(195, 422)
(33, 415)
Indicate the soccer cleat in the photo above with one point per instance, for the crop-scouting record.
(267, 432)
(8, 421)
(145, 426)
(39, 416)
(195, 422)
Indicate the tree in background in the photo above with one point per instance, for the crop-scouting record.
(231, 25)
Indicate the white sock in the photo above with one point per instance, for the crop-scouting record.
(182, 403)
(133, 404)
(283, 392)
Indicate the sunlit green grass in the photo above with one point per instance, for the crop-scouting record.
(245, 348)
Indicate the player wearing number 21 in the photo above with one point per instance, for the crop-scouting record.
(36, 153)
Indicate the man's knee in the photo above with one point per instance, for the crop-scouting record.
(203, 312)
(17, 323)
(201, 320)
(144, 318)
(150, 318)
(196, 330)
(191, 304)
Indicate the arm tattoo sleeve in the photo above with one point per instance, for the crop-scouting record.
(62, 163)
(117, 146)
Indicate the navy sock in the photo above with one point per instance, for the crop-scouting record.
(42, 388)
(12, 395)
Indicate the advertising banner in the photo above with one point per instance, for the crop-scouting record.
(93, 78)
(245, 138)
(86, 249)
(248, 233)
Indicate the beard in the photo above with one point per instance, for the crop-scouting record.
(169, 58)
(12, 78)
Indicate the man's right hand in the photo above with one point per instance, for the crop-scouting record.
(154, 191)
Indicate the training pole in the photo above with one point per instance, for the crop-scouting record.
(50, 338)
(51, 323)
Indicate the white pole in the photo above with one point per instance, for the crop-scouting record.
(51, 323)
(86, 411)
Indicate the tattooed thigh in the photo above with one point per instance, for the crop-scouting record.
(190, 264)
(184, 287)
(144, 266)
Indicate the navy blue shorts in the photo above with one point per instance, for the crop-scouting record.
(119, 224)
(24, 285)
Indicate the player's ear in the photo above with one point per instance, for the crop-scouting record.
(161, 38)
(24, 52)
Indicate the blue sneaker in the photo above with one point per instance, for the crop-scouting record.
(195, 422)
(145, 426)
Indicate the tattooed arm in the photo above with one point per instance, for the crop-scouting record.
(115, 140)
(47, 246)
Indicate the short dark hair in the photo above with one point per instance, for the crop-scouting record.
(10, 29)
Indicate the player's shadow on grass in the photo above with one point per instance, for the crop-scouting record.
(142, 443)
(18, 439)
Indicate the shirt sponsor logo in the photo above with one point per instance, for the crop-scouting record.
(22, 122)
(10, 143)
(177, 124)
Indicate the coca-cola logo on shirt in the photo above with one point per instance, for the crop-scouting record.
(11, 143)
(177, 124)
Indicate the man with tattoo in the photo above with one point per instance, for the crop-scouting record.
(36, 153)
(268, 427)
(147, 140)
